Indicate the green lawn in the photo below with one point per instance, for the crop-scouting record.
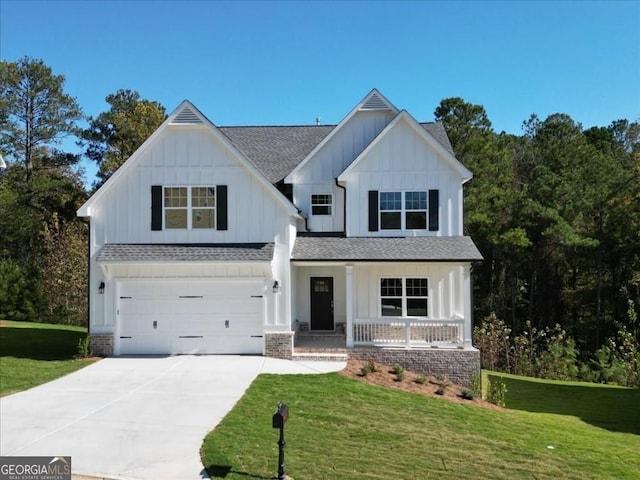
(344, 429)
(35, 353)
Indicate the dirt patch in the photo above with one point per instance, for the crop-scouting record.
(384, 377)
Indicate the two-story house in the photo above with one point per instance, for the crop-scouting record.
(232, 240)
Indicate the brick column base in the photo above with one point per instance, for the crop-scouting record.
(279, 345)
(101, 344)
(457, 365)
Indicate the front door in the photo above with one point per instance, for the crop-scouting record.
(322, 303)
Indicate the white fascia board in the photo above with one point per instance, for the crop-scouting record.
(465, 174)
(86, 209)
(291, 177)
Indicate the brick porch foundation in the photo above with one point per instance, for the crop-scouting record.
(279, 345)
(457, 365)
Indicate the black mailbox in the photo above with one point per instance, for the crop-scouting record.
(281, 415)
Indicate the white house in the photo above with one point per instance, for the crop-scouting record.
(233, 240)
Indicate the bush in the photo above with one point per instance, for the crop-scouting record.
(84, 347)
(372, 366)
(496, 392)
(421, 379)
(400, 376)
(365, 370)
(476, 384)
(468, 395)
(397, 369)
(441, 389)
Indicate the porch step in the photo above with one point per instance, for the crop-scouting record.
(317, 355)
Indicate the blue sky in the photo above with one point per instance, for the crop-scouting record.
(267, 63)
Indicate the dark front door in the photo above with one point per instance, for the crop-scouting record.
(321, 303)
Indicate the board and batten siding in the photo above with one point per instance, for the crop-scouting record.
(403, 161)
(302, 297)
(319, 174)
(189, 156)
(446, 288)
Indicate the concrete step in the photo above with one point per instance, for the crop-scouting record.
(318, 356)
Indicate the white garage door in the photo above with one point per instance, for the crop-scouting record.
(157, 317)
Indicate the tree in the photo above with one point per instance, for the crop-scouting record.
(35, 114)
(114, 135)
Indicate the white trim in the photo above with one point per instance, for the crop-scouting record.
(291, 177)
(465, 174)
(349, 304)
(86, 209)
(404, 296)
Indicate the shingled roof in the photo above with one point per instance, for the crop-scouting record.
(277, 150)
(230, 252)
(387, 249)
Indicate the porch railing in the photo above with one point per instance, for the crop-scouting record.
(408, 332)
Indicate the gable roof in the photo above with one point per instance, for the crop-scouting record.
(374, 100)
(384, 249)
(185, 114)
(418, 128)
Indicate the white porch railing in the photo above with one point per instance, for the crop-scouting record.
(408, 332)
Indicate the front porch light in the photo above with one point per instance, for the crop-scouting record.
(101, 288)
(276, 286)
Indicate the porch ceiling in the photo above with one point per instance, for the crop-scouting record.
(387, 249)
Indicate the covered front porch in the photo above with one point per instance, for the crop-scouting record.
(399, 305)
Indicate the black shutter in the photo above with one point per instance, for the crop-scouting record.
(373, 210)
(221, 207)
(156, 207)
(434, 210)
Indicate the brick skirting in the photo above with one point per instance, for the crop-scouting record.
(457, 365)
(101, 344)
(279, 345)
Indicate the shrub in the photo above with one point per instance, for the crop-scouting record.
(467, 395)
(373, 366)
(365, 370)
(441, 389)
(496, 392)
(397, 369)
(400, 376)
(476, 384)
(84, 347)
(421, 379)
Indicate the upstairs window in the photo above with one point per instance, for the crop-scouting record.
(189, 207)
(403, 210)
(322, 204)
(404, 297)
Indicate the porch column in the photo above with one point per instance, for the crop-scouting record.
(466, 282)
(349, 304)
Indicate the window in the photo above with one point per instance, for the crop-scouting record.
(403, 212)
(189, 207)
(321, 204)
(404, 297)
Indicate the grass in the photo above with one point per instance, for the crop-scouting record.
(36, 353)
(341, 428)
(605, 406)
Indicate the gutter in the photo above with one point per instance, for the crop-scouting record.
(344, 207)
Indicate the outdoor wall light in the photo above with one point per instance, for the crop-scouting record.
(276, 286)
(101, 288)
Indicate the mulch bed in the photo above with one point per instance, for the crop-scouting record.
(385, 378)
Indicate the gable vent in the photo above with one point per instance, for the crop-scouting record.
(187, 116)
(374, 102)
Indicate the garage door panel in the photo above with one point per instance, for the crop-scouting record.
(198, 317)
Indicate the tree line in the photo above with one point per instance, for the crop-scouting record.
(555, 211)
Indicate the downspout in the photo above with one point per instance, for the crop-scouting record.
(344, 207)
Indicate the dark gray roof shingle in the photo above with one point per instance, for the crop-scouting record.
(245, 252)
(311, 248)
(275, 151)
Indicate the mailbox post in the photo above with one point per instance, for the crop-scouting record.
(278, 420)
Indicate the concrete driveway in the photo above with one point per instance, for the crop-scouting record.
(135, 418)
